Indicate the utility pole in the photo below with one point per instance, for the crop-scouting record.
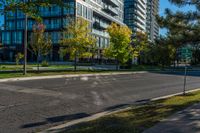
(25, 43)
(185, 80)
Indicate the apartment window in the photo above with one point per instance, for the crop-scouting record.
(55, 23)
(65, 22)
(20, 24)
(20, 14)
(55, 10)
(6, 38)
(10, 25)
(10, 15)
(55, 37)
(17, 37)
(70, 10)
(89, 14)
(30, 24)
(84, 12)
(79, 9)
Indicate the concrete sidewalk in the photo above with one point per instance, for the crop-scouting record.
(186, 121)
(68, 76)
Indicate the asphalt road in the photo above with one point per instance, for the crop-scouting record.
(30, 106)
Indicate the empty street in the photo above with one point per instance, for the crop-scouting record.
(35, 105)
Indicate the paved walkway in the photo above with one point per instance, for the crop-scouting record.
(186, 121)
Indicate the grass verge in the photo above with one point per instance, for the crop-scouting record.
(51, 73)
(138, 118)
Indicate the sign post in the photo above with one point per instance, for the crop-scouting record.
(185, 80)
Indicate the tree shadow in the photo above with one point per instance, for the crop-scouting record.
(143, 115)
(179, 73)
(56, 119)
(135, 120)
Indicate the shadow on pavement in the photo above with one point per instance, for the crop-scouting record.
(180, 73)
(56, 119)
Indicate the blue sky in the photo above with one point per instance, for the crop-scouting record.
(165, 4)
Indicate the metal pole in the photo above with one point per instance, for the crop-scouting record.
(185, 80)
(25, 44)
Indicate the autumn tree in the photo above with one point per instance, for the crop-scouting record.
(40, 44)
(78, 40)
(120, 44)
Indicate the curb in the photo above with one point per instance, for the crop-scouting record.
(62, 127)
(66, 76)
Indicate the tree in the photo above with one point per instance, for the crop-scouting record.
(196, 54)
(120, 44)
(40, 44)
(19, 57)
(183, 27)
(78, 40)
(30, 9)
(166, 52)
(139, 43)
(185, 24)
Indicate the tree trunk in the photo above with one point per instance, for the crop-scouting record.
(175, 57)
(92, 60)
(38, 65)
(75, 62)
(117, 65)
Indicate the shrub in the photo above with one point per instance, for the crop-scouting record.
(44, 64)
(19, 57)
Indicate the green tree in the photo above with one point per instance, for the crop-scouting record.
(161, 52)
(196, 54)
(40, 44)
(182, 26)
(30, 9)
(139, 43)
(165, 52)
(19, 57)
(78, 40)
(120, 44)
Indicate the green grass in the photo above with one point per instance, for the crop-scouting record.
(139, 117)
(14, 67)
(31, 74)
(67, 72)
(58, 70)
(145, 67)
(30, 67)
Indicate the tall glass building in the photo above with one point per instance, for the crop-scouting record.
(100, 13)
(152, 26)
(140, 15)
(135, 14)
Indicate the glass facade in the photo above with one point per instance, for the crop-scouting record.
(100, 13)
(135, 14)
(140, 15)
(152, 25)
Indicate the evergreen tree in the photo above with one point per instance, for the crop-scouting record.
(184, 26)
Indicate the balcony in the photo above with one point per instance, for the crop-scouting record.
(111, 2)
(110, 10)
(100, 25)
